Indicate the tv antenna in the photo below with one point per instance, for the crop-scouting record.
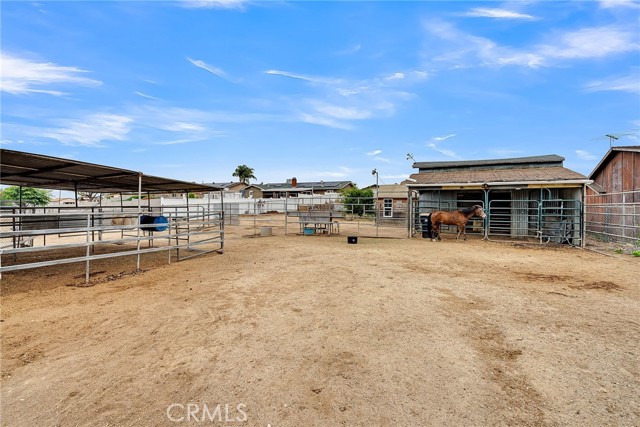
(616, 136)
(410, 157)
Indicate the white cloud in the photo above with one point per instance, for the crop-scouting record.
(91, 131)
(585, 155)
(465, 50)
(594, 42)
(442, 138)
(210, 68)
(22, 76)
(482, 12)
(144, 95)
(350, 50)
(382, 159)
(343, 113)
(629, 83)
(374, 152)
(609, 4)
(395, 76)
(310, 79)
(215, 4)
(437, 139)
(324, 121)
(339, 101)
(444, 151)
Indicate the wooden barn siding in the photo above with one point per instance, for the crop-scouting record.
(622, 173)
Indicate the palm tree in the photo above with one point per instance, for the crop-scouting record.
(244, 173)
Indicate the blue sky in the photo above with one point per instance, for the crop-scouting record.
(317, 90)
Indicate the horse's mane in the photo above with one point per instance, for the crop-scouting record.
(469, 210)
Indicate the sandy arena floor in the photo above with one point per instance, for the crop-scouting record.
(311, 331)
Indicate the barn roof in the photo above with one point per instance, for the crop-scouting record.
(607, 157)
(531, 161)
(56, 173)
(512, 171)
(497, 176)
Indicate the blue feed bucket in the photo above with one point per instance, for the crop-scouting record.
(154, 223)
(308, 231)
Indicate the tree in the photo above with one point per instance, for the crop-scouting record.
(30, 196)
(244, 173)
(358, 201)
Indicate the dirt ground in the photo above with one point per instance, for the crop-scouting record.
(312, 331)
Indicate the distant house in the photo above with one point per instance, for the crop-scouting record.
(613, 198)
(293, 188)
(523, 197)
(63, 201)
(391, 199)
(234, 187)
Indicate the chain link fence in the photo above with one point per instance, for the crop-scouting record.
(613, 217)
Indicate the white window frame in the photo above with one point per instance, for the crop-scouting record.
(387, 208)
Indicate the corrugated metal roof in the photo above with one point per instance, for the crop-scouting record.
(507, 176)
(56, 173)
(550, 159)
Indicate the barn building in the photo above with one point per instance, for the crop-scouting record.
(526, 197)
(613, 199)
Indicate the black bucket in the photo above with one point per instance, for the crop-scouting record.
(352, 240)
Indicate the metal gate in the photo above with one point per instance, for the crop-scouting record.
(554, 220)
(557, 220)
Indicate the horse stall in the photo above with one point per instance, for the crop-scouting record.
(527, 198)
(35, 237)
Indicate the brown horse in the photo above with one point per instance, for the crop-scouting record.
(458, 218)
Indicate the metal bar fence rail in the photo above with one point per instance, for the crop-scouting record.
(184, 231)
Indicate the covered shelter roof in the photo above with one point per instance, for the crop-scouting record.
(56, 173)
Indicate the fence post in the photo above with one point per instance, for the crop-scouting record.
(88, 250)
